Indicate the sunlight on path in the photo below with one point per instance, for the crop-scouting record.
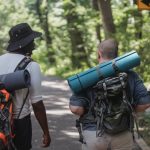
(61, 121)
(52, 84)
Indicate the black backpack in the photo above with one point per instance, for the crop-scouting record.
(111, 105)
(6, 120)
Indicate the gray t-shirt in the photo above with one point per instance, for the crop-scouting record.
(8, 63)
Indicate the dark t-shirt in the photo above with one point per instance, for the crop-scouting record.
(138, 93)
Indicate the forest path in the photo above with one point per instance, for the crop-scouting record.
(60, 120)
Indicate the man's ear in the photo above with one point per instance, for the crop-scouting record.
(99, 55)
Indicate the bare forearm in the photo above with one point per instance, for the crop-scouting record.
(40, 114)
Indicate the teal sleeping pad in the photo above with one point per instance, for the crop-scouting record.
(83, 80)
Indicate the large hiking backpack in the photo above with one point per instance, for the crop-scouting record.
(6, 121)
(111, 105)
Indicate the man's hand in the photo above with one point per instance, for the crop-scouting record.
(141, 108)
(46, 140)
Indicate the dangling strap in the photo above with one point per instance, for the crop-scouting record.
(80, 81)
(101, 106)
(106, 97)
(116, 69)
(130, 106)
(92, 103)
(100, 75)
(100, 118)
(79, 127)
(23, 104)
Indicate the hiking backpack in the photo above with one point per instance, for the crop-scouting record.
(111, 105)
(6, 119)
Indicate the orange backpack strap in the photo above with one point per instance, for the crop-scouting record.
(6, 98)
(3, 138)
(6, 94)
(6, 107)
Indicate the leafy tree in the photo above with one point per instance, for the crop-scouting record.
(75, 33)
(72, 29)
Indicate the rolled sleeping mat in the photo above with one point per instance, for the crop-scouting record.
(91, 76)
(16, 80)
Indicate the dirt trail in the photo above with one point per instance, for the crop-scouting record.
(61, 121)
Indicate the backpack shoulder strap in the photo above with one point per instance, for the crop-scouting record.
(23, 63)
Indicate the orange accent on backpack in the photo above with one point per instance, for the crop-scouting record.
(3, 138)
(6, 94)
(6, 99)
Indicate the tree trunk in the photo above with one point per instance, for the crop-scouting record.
(43, 17)
(78, 55)
(138, 25)
(109, 27)
(138, 18)
(98, 26)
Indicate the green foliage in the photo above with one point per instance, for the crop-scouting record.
(127, 24)
(130, 24)
(144, 125)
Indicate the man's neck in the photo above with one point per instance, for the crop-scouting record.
(102, 60)
(28, 55)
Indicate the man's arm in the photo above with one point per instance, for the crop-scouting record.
(141, 95)
(40, 114)
(37, 103)
(141, 108)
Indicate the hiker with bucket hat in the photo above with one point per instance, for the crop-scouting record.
(20, 47)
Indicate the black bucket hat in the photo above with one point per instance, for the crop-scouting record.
(20, 36)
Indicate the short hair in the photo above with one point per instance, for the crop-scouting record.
(109, 48)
